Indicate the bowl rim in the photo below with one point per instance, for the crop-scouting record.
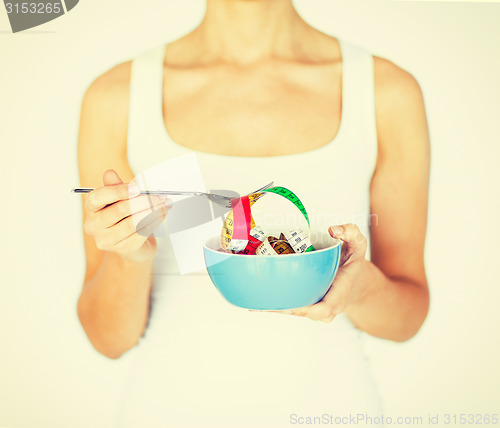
(336, 242)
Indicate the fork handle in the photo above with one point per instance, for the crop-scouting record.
(143, 192)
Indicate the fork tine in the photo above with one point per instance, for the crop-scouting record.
(267, 186)
(222, 200)
(225, 201)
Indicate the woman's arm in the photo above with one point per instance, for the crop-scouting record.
(388, 297)
(113, 305)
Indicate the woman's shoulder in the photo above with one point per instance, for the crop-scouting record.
(111, 88)
(399, 104)
(392, 80)
(401, 119)
(105, 105)
(104, 124)
(397, 91)
(394, 86)
(387, 74)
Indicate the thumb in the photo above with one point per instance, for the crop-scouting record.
(355, 242)
(110, 177)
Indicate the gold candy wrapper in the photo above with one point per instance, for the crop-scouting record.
(272, 246)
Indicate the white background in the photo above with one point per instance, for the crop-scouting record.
(50, 376)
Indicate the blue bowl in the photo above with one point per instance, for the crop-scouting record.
(272, 282)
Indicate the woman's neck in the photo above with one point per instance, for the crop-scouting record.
(246, 31)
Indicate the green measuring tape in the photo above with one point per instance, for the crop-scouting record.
(294, 199)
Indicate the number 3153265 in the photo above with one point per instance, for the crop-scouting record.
(33, 8)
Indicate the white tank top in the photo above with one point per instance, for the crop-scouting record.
(204, 362)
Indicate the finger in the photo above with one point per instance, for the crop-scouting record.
(352, 237)
(141, 205)
(143, 218)
(111, 177)
(320, 311)
(134, 241)
(107, 195)
(117, 212)
(337, 297)
(123, 230)
(333, 303)
(283, 311)
(149, 228)
(139, 223)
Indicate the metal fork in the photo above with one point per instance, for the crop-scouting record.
(216, 198)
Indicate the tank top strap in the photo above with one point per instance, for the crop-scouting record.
(358, 101)
(145, 104)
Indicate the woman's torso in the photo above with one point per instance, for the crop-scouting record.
(202, 359)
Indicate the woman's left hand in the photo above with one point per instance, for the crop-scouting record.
(345, 289)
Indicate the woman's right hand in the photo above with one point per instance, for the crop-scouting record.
(122, 227)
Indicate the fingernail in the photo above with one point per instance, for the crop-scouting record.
(168, 202)
(287, 311)
(134, 190)
(337, 230)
